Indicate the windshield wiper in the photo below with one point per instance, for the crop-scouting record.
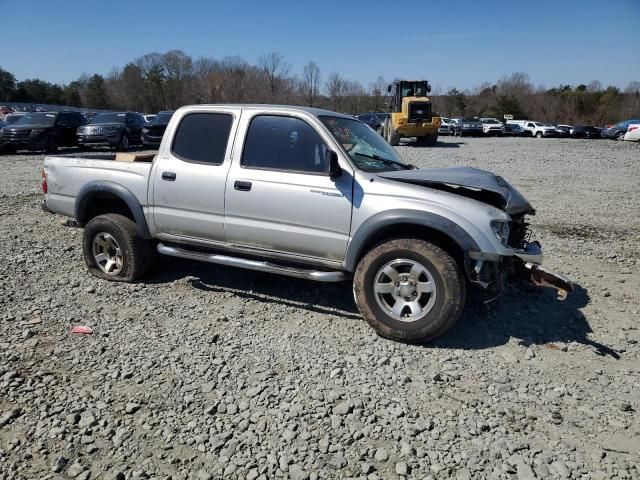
(388, 161)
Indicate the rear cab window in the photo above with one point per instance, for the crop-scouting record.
(202, 137)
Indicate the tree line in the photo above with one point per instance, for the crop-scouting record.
(166, 81)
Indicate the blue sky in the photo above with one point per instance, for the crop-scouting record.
(451, 43)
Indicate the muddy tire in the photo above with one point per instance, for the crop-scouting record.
(113, 250)
(409, 290)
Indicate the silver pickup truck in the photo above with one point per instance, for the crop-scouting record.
(307, 193)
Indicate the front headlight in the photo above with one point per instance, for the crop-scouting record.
(501, 231)
(37, 131)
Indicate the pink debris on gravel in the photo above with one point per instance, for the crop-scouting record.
(81, 329)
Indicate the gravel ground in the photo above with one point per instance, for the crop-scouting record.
(210, 372)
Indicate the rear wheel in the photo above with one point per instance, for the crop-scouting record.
(539, 135)
(113, 250)
(409, 290)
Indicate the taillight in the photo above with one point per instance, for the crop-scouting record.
(45, 188)
(635, 127)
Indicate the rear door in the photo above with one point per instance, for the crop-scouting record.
(189, 175)
(279, 197)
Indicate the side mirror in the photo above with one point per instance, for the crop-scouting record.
(388, 88)
(331, 163)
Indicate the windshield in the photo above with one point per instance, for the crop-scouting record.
(368, 150)
(109, 118)
(37, 119)
(162, 118)
(11, 119)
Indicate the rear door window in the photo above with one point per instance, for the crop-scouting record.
(283, 143)
(202, 137)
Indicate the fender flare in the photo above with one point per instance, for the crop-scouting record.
(405, 216)
(87, 192)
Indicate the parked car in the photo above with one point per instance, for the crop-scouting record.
(274, 188)
(618, 130)
(633, 133)
(513, 130)
(445, 126)
(535, 129)
(42, 131)
(563, 130)
(374, 119)
(13, 118)
(470, 126)
(586, 131)
(454, 125)
(492, 126)
(153, 131)
(148, 117)
(118, 130)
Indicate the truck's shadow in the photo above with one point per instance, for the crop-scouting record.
(532, 318)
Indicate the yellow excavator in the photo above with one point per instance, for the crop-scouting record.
(410, 113)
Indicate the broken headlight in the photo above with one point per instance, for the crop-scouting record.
(501, 231)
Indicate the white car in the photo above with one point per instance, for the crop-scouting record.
(492, 126)
(445, 126)
(535, 129)
(633, 133)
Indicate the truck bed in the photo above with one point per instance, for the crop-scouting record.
(67, 175)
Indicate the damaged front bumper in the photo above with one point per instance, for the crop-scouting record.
(492, 271)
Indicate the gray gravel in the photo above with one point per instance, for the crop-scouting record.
(207, 372)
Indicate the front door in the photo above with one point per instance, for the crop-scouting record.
(279, 196)
(189, 175)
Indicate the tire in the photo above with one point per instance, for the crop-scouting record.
(427, 140)
(620, 136)
(124, 143)
(115, 237)
(433, 312)
(51, 145)
(539, 135)
(392, 136)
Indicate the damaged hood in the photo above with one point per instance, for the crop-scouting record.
(468, 182)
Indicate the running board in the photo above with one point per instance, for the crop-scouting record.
(317, 275)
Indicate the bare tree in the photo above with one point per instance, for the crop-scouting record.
(275, 68)
(311, 82)
(335, 89)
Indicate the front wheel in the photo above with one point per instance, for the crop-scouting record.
(409, 290)
(113, 250)
(51, 145)
(123, 146)
(539, 135)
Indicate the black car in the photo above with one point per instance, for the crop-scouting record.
(586, 131)
(470, 126)
(152, 132)
(513, 130)
(42, 131)
(116, 130)
(374, 119)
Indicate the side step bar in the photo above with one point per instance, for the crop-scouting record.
(317, 275)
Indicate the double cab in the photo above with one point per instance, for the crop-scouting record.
(306, 193)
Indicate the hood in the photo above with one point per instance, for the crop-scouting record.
(105, 124)
(469, 182)
(25, 127)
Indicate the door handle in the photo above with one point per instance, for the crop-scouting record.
(169, 176)
(243, 186)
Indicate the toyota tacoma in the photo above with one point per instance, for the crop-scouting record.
(307, 193)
